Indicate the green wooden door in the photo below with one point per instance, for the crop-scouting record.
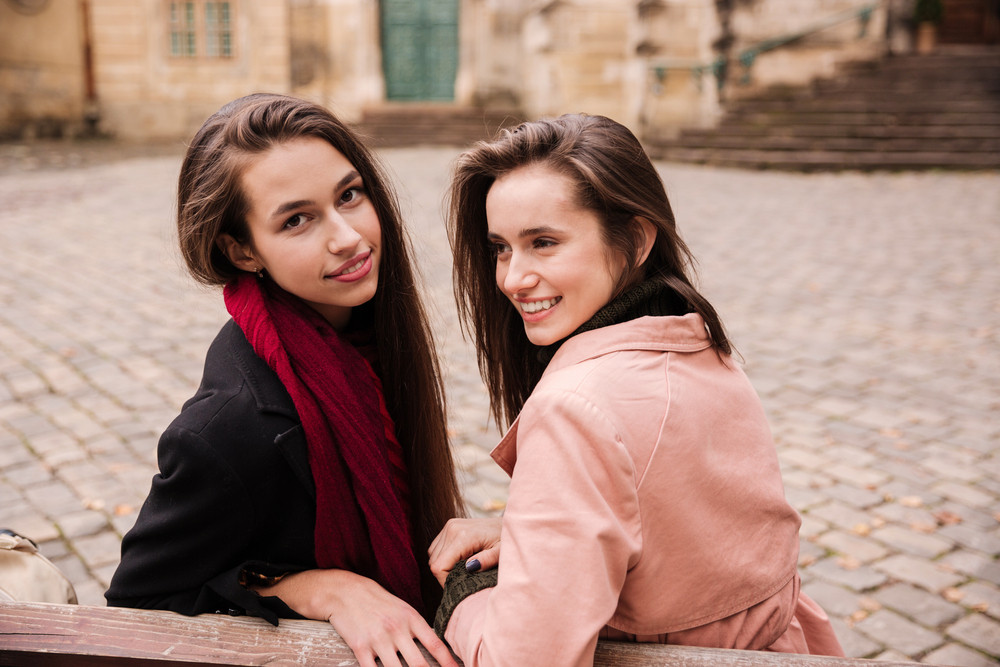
(420, 49)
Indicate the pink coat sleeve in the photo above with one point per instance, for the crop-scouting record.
(570, 533)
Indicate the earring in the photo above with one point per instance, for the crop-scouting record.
(260, 272)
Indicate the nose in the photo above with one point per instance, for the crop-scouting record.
(341, 237)
(516, 274)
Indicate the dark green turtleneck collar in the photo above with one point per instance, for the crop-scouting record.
(652, 297)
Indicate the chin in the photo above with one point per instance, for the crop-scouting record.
(541, 340)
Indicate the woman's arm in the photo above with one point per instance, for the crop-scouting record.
(189, 544)
(571, 531)
(373, 622)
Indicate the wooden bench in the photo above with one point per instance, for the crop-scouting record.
(51, 635)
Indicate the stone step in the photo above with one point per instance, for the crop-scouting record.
(829, 160)
(938, 135)
(901, 90)
(953, 57)
(846, 144)
(909, 112)
(873, 104)
(432, 124)
(929, 132)
(862, 118)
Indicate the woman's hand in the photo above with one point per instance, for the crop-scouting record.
(471, 539)
(373, 622)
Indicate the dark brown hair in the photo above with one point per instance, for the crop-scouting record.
(210, 202)
(613, 177)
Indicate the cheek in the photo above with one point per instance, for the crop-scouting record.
(615, 266)
(365, 223)
(500, 273)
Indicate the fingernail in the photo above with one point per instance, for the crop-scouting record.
(473, 565)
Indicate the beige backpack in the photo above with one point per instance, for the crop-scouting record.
(28, 576)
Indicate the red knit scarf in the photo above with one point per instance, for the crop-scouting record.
(361, 505)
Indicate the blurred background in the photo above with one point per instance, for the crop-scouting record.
(802, 84)
(863, 296)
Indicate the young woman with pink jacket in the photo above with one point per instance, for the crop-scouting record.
(646, 501)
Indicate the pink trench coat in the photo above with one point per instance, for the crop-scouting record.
(646, 503)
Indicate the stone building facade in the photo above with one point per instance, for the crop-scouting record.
(154, 69)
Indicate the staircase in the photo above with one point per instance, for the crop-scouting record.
(398, 125)
(905, 112)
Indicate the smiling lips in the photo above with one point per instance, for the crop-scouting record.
(532, 307)
(358, 269)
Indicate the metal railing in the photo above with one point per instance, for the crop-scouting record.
(746, 58)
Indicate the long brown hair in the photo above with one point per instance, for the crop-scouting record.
(613, 177)
(211, 201)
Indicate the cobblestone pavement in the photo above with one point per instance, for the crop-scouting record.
(866, 309)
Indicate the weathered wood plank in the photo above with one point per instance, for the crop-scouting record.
(624, 654)
(48, 635)
(41, 633)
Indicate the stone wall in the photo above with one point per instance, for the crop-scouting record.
(41, 71)
(675, 42)
(575, 58)
(490, 55)
(145, 93)
(335, 56)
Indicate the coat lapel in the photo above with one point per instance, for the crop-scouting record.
(271, 396)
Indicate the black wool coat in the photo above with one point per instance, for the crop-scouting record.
(234, 491)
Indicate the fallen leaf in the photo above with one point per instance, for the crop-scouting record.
(869, 604)
(920, 527)
(888, 497)
(890, 432)
(94, 504)
(862, 529)
(494, 505)
(946, 518)
(952, 594)
(848, 563)
(877, 522)
(806, 561)
(911, 501)
(859, 615)
(981, 607)
(122, 510)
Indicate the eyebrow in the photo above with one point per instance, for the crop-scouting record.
(528, 231)
(298, 203)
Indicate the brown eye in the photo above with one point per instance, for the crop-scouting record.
(352, 195)
(296, 220)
